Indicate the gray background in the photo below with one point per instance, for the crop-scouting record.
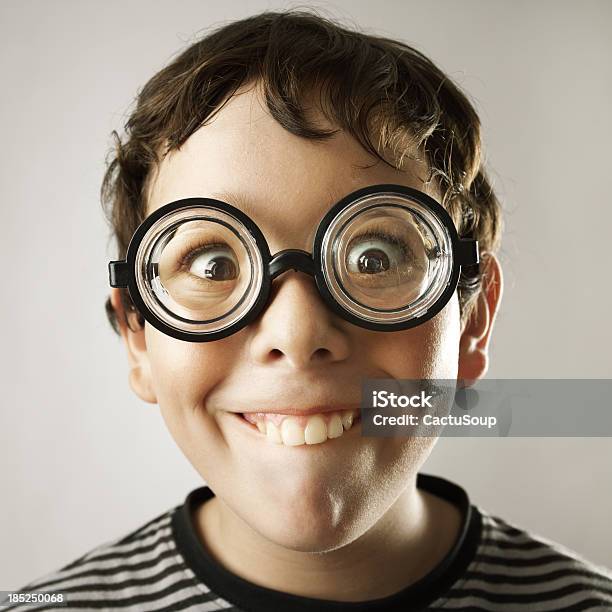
(83, 460)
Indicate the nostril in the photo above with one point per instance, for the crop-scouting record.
(276, 354)
(321, 354)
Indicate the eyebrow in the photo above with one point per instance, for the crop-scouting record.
(236, 199)
(246, 205)
(228, 197)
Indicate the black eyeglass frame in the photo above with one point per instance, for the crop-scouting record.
(122, 273)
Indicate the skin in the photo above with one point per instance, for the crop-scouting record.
(353, 499)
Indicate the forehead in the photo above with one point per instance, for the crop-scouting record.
(282, 181)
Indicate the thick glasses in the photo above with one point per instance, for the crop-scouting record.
(385, 258)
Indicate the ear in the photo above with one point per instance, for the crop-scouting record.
(474, 343)
(138, 358)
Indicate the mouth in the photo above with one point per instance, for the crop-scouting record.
(302, 430)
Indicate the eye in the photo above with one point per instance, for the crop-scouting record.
(214, 262)
(377, 252)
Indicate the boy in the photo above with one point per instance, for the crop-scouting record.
(282, 117)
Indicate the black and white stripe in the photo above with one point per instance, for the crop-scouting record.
(511, 570)
(142, 571)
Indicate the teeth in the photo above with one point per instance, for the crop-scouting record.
(297, 431)
(334, 427)
(273, 434)
(347, 418)
(291, 432)
(316, 430)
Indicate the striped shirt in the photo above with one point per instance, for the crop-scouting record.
(493, 565)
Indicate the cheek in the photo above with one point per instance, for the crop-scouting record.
(183, 374)
(430, 350)
(181, 371)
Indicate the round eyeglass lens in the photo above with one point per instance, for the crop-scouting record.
(199, 269)
(387, 258)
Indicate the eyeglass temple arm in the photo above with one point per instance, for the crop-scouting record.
(467, 252)
(118, 273)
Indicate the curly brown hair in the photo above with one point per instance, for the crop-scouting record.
(368, 85)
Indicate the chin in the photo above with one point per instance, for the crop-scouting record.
(317, 523)
(315, 539)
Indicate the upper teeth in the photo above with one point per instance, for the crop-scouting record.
(294, 431)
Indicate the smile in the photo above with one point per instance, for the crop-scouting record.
(298, 430)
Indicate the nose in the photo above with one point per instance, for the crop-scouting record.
(296, 326)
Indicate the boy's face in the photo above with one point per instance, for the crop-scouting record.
(297, 353)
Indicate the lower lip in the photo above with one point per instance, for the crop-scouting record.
(253, 428)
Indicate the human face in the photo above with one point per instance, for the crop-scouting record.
(297, 353)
